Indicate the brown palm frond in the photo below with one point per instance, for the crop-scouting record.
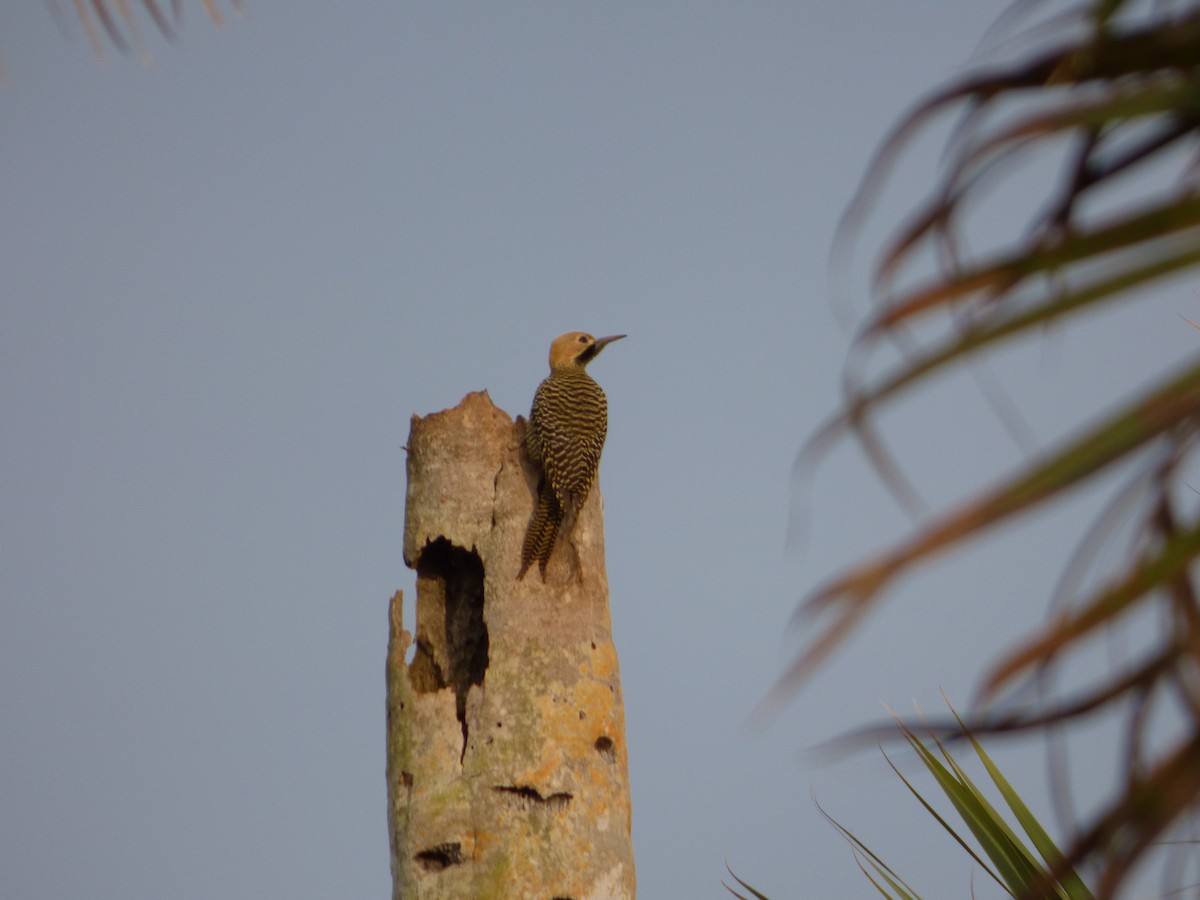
(1106, 90)
(115, 22)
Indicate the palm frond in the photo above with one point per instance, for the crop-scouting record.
(115, 22)
(1037, 869)
(1106, 90)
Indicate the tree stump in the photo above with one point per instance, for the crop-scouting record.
(507, 772)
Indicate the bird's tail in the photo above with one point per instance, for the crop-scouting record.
(543, 529)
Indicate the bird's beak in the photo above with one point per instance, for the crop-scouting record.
(603, 342)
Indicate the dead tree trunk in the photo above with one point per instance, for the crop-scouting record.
(507, 772)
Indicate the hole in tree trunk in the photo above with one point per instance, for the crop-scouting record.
(452, 638)
(605, 747)
(443, 856)
(527, 797)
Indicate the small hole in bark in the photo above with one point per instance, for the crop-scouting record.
(605, 747)
(528, 797)
(406, 779)
(443, 856)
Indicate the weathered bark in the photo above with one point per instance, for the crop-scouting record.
(507, 772)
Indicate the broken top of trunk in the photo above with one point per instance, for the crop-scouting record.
(507, 769)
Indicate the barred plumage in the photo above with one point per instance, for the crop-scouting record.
(565, 436)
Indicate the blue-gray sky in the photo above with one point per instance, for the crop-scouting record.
(230, 278)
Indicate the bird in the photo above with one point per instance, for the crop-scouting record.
(564, 438)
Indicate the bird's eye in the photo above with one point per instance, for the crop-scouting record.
(583, 339)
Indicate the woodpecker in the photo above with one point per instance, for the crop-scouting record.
(564, 439)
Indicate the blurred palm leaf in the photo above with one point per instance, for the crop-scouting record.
(1111, 89)
(116, 22)
(754, 895)
(1037, 869)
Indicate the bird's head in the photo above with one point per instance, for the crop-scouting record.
(576, 349)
